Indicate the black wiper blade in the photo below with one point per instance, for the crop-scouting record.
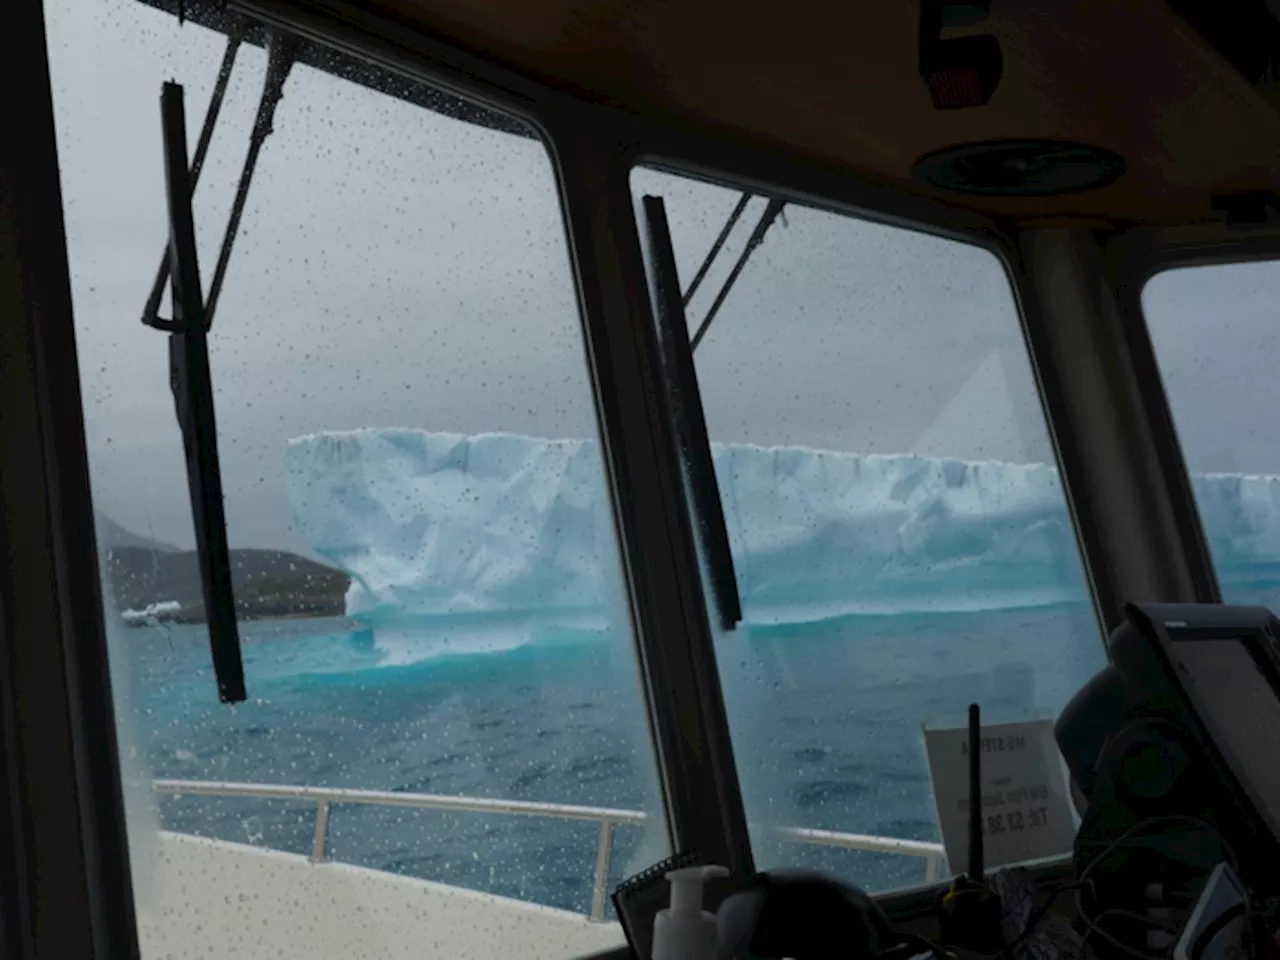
(188, 330)
(193, 401)
(686, 408)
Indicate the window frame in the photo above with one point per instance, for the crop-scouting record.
(1134, 259)
(65, 884)
(593, 148)
(919, 903)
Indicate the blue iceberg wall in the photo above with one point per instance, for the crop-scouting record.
(436, 524)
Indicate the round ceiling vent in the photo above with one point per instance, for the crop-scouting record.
(1020, 168)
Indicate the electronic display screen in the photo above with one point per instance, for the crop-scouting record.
(1242, 711)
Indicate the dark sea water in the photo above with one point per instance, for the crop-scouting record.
(827, 721)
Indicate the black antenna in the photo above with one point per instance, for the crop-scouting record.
(971, 911)
(976, 853)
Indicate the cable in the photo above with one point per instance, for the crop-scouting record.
(1141, 918)
(1038, 918)
(1084, 881)
(1163, 818)
(1034, 923)
(924, 944)
(1215, 927)
(1135, 829)
(1092, 924)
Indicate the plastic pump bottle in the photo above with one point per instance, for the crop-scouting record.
(684, 931)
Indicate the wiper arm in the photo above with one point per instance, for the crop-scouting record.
(279, 62)
(771, 211)
(150, 312)
(709, 259)
(682, 378)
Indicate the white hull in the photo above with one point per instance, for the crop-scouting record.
(214, 900)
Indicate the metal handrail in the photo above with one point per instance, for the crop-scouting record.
(325, 798)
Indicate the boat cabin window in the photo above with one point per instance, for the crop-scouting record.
(439, 660)
(444, 728)
(1215, 339)
(896, 524)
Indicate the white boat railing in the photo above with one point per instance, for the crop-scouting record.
(325, 798)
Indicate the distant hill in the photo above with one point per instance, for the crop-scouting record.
(267, 583)
(112, 535)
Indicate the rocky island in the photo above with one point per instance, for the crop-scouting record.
(152, 582)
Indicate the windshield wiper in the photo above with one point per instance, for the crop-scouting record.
(687, 414)
(193, 400)
(188, 331)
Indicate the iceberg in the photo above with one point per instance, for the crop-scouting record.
(152, 613)
(1240, 514)
(441, 524)
(491, 526)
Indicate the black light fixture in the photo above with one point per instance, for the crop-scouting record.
(964, 71)
(1020, 168)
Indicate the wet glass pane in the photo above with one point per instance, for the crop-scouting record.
(426, 573)
(899, 535)
(1214, 334)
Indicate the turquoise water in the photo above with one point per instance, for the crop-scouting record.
(826, 716)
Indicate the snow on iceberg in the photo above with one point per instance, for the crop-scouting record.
(439, 524)
(445, 525)
(1241, 516)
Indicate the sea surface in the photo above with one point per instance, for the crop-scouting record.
(827, 720)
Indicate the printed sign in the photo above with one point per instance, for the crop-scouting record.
(1026, 804)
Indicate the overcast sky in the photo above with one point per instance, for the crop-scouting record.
(400, 268)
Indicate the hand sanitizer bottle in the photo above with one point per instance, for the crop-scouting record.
(684, 931)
